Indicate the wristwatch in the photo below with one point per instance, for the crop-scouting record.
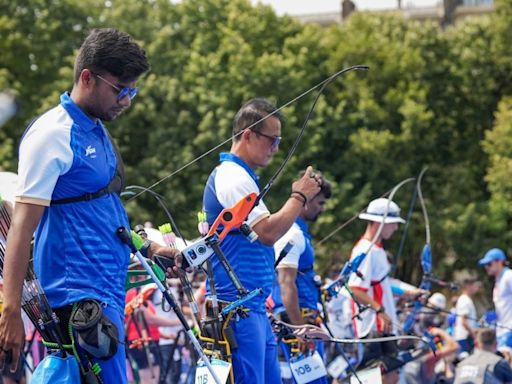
(380, 310)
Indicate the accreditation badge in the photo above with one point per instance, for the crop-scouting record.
(203, 375)
(306, 369)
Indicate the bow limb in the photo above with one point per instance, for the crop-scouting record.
(353, 265)
(310, 332)
(423, 206)
(426, 258)
(290, 153)
(359, 258)
(320, 85)
(426, 255)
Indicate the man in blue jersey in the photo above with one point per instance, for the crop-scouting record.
(255, 359)
(297, 293)
(496, 265)
(69, 173)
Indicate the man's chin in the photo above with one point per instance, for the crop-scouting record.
(111, 116)
(266, 162)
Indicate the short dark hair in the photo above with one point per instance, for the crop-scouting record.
(325, 188)
(251, 112)
(107, 50)
(486, 337)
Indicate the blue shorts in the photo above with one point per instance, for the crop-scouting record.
(466, 345)
(255, 359)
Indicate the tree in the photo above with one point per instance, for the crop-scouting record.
(429, 99)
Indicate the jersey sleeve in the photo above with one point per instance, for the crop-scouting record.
(400, 287)
(232, 183)
(296, 238)
(45, 154)
(365, 268)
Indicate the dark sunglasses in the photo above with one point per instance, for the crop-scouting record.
(275, 139)
(126, 91)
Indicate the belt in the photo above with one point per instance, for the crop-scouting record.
(208, 305)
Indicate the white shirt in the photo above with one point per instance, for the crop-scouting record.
(8, 186)
(464, 307)
(339, 309)
(171, 315)
(375, 269)
(502, 297)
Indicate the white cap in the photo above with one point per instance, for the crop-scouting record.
(377, 209)
(437, 300)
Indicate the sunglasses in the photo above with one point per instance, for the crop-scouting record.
(123, 92)
(275, 140)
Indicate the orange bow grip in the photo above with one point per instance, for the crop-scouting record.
(233, 217)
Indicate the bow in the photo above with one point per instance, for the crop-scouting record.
(426, 259)
(322, 85)
(352, 265)
(325, 83)
(309, 332)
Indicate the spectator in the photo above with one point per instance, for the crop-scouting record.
(495, 264)
(466, 323)
(484, 366)
(423, 370)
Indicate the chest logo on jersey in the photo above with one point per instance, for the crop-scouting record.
(90, 151)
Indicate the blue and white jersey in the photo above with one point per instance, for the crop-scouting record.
(302, 258)
(77, 254)
(253, 263)
(501, 295)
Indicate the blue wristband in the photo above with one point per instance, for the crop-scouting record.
(397, 290)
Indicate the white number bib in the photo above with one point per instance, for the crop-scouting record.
(203, 375)
(308, 368)
(337, 367)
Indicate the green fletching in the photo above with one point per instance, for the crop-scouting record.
(96, 369)
(137, 240)
(165, 228)
(201, 216)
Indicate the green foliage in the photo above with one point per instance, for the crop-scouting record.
(430, 99)
(498, 146)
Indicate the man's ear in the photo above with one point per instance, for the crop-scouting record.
(246, 135)
(86, 78)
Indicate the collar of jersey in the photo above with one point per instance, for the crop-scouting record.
(303, 225)
(78, 116)
(378, 244)
(226, 156)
